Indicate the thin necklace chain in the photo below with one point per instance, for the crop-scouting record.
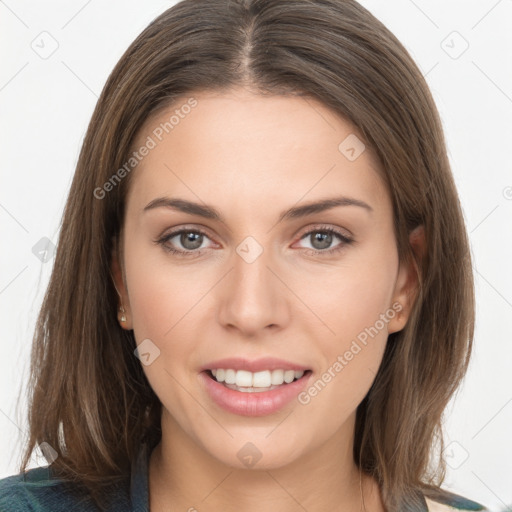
(363, 505)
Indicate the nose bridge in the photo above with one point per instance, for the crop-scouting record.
(253, 298)
(250, 273)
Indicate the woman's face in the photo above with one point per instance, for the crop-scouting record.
(261, 276)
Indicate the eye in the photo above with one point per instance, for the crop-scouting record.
(188, 242)
(184, 242)
(321, 240)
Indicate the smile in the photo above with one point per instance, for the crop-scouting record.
(246, 381)
(246, 393)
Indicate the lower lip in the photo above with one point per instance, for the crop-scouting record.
(253, 404)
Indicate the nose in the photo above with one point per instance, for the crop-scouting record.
(253, 298)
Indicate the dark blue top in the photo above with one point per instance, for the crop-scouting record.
(37, 491)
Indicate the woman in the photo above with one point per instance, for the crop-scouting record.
(254, 304)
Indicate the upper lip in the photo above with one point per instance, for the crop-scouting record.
(255, 365)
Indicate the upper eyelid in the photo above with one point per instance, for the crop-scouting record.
(176, 231)
(328, 227)
(173, 232)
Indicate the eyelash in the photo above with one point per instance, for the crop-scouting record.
(345, 240)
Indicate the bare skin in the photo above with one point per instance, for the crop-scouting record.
(251, 158)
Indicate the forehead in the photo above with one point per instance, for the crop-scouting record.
(243, 146)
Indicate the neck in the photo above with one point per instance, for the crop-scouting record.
(185, 477)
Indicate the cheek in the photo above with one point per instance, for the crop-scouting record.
(350, 358)
(351, 297)
(161, 294)
(354, 304)
(162, 300)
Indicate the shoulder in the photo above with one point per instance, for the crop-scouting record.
(447, 501)
(37, 490)
(31, 491)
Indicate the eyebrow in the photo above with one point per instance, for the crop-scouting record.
(209, 212)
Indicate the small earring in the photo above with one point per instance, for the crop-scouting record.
(123, 316)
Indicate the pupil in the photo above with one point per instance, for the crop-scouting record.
(191, 240)
(325, 240)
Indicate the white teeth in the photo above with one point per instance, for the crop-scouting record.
(263, 379)
(289, 375)
(277, 377)
(243, 378)
(230, 377)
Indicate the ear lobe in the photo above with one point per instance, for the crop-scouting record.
(408, 280)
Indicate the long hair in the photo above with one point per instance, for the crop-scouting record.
(88, 396)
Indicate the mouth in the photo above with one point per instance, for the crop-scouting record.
(255, 382)
(253, 387)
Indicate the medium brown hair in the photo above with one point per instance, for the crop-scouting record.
(88, 396)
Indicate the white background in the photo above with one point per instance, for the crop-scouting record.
(46, 104)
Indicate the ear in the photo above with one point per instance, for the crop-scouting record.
(117, 270)
(407, 282)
